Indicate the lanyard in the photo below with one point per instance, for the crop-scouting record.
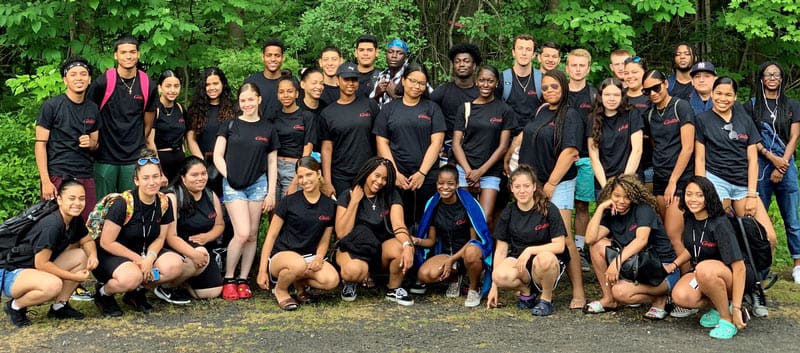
(696, 247)
(146, 231)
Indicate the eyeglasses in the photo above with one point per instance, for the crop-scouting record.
(634, 59)
(732, 134)
(554, 86)
(769, 75)
(143, 161)
(652, 89)
(416, 82)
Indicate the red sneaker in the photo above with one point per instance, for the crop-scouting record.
(229, 291)
(244, 290)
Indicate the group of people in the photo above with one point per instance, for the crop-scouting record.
(410, 183)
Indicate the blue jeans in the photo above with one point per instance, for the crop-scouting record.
(787, 195)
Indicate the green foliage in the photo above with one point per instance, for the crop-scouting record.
(19, 178)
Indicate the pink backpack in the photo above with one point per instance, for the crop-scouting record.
(111, 83)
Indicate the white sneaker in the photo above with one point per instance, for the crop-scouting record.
(680, 312)
(796, 274)
(473, 299)
(454, 289)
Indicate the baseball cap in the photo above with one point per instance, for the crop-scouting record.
(702, 66)
(347, 70)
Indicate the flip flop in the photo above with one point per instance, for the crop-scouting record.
(577, 303)
(710, 319)
(724, 331)
(595, 307)
(655, 314)
(288, 304)
(542, 308)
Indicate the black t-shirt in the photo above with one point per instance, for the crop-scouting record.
(681, 90)
(539, 148)
(330, 94)
(711, 239)
(200, 221)
(170, 127)
(377, 219)
(623, 228)
(409, 130)
(303, 223)
(450, 98)
(121, 122)
(523, 99)
(144, 226)
(482, 134)
(582, 101)
(50, 233)
(521, 229)
(726, 157)
(207, 138)
(366, 82)
(269, 93)
(295, 130)
(316, 111)
(349, 128)
(452, 226)
(248, 144)
(664, 128)
(780, 123)
(615, 143)
(641, 104)
(67, 121)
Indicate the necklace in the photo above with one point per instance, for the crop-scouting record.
(130, 88)
(661, 112)
(772, 113)
(696, 247)
(373, 203)
(525, 87)
(169, 112)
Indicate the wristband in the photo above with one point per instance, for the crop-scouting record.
(407, 243)
(155, 255)
(423, 174)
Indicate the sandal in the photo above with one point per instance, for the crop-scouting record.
(655, 314)
(229, 291)
(595, 307)
(288, 304)
(542, 308)
(368, 282)
(305, 298)
(243, 289)
(724, 331)
(577, 303)
(710, 319)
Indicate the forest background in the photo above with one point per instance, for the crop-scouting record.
(189, 35)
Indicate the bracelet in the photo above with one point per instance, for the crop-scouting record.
(737, 307)
(423, 174)
(155, 255)
(408, 243)
(676, 265)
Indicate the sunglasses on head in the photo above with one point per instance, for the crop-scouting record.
(634, 59)
(554, 86)
(652, 89)
(143, 161)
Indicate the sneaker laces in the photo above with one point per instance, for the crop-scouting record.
(348, 289)
(400, 292)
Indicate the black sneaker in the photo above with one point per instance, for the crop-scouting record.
(399, 296)
(106, 303)
(82, 294)
(18, 317)
(138, 300)
(586, 264)
(66, 312)
(419, 288)
(172, 295)
(349, 291)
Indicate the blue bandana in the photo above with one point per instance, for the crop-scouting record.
(398, 43)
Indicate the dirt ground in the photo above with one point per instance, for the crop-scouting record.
(372, 324)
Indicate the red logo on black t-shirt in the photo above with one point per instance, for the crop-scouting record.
(542, 226)
(212, 215)
(324, 218)
(743, 136)
(385, 213)
(708, 244)
(461, 221)
(424, 116)
(495, 120)
(262, 139)
(89, 121)
(365, 115)
(181, 120)
(633, 227)
(623, 127)
(299, 127)
(671, 121)
(138, 97)
(585, 106)
(531, 92)
(552, 123)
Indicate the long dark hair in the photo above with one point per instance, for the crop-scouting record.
(598, 110)
(200, 105)
(563, 105)
(383, 198)
(186, 204)
(782, 122)
(712, 202)
(413, 67)
(539, 198)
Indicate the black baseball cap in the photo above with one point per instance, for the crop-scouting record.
(347, 70)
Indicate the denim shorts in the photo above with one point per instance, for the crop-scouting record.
(725, 189)
(8, 278)
(487, 182)
(584, 182)
(286, 173)
(564, 195)
(672, 278)
(254, 192)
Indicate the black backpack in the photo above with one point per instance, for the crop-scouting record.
(12, 230)
(752, 238)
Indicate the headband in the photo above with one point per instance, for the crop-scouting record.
(75, 64)
(398, 43)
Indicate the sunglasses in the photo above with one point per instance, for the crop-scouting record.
(634, 59)
(554, 86)
(769, 75)
(652, 89)
(732, 134)
(143, 161)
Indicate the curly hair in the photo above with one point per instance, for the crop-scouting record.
(713, 203)
(598, 110)
(198, 109)
(539, 198)
(634, 189)
(466, 48)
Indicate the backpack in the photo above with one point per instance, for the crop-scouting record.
(111, 83)
(508, 82)
(753, 241)
(14, 228)
(98, 216)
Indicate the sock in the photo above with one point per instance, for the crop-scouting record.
(102, 290)
(14, 305)
(57, 306)
(580, 241)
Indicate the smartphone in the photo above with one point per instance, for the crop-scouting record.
(156, 275)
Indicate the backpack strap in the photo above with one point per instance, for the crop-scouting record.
(507, 84)
(111, 83)
(467, 109)
(164, 203)
(127, 195)
(537, 82)
(144, 84)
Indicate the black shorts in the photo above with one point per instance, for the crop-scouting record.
(660, 185)
(106, 266)
(211, 277)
